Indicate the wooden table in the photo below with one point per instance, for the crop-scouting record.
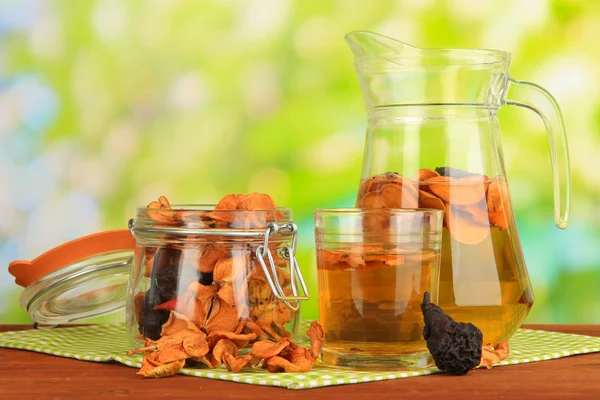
(25, 374)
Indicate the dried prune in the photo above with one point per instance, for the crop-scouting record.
(206, 278)
(152, 320)
(167, 278)
(455, 346)
(452, 172)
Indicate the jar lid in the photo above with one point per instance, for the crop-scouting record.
(82, 278)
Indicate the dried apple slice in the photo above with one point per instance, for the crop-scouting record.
(497, 203)
(463, 228)
(428, 200)
(316, 334)
(404, 195)
(222, 346)
(268, 349)
(239, 339)
(373, 183)
(167, 216)
(478, 212)
(456, 192)
(154, 369)
(177, 322)
(210, 257)
(425, 173)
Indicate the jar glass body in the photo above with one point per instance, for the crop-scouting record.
(203, 265)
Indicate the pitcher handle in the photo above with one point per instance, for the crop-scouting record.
(559, 152)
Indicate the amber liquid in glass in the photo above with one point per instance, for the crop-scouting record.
(482, 276)
(373, 310)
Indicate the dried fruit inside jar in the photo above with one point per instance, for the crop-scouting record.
(483, 279)
(214, 280)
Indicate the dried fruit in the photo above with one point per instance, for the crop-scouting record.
(427, 173)
(428, 200)
(177, 322)
(210, 257)
(229, 269)
(477, 211)
(239, 339)
(229, 202)
(453, 172)
(222, 346)
(267, 348)
(167, 216)
(388, 190)
(463, 228)
(456, 192)
(316, 334)
(293, 358)
(491, 355)
(498, 203)
(150, 321)
(154, 369)
(256, 201)
(456, 347)
(138, 301)
(222, 317)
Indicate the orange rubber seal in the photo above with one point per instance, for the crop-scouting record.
(27, 272)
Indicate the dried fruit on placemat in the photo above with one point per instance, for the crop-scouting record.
(154, 369)
(491, 355)
(184, 341)
(293, 358)
(456, 347)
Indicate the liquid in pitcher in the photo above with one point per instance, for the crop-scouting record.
(482, 279)
(370, 301)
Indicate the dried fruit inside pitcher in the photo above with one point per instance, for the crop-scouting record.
(482, 276)
(215, 288)
(471, 202)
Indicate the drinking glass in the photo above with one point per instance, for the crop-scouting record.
(374, 265)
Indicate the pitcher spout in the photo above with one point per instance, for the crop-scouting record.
(366, 44)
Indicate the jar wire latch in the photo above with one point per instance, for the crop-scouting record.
(288, 253)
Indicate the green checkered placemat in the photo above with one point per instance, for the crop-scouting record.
(108, 342)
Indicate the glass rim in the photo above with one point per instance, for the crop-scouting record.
(397, 211)
(206, 208)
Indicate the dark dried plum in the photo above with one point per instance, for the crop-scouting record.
(151, 321)
(167, 279)
(453, 172)
(455, 346)
(206, 278)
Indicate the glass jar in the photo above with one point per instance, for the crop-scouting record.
(224, 270)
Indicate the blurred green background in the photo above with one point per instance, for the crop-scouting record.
(105, 105)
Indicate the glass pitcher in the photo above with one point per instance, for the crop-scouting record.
(433, 141)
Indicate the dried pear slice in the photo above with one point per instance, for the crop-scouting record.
(463, 228)
(478, 212)
(425, 173)
(497, 203)
(456, 192)
(428, 200)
